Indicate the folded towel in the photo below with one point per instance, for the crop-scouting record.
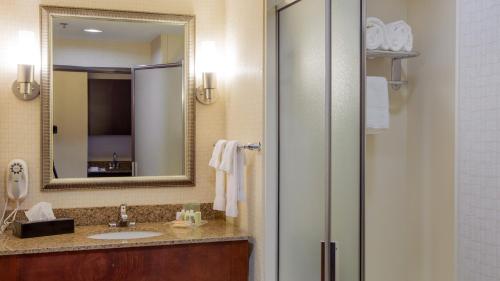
(399, 36)
(233, 163)
(220, 177)
(376, 37)
(377, 105)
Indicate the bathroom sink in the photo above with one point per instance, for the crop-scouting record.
(124, 235)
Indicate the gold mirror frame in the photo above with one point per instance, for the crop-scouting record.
(48, 182)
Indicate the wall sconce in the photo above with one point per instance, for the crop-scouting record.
(25, 87)
(208, 60)
(206, 93)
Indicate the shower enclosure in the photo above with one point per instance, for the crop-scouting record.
(319, 103)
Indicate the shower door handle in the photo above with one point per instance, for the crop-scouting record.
(333, 262)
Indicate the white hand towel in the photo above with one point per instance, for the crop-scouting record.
(377, 105)
(220, 177)
(376, 37)
(233, 162)
(399, 36)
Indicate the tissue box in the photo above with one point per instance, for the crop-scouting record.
(43, 228)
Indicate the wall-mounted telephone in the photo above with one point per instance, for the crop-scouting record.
(17, 189)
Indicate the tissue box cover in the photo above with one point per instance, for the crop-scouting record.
(43, 228)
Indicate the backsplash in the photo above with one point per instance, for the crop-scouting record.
(20, 121)
(141, 214)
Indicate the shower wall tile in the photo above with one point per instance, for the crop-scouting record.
(478, 149)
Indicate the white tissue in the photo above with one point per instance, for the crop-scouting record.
(40, 212)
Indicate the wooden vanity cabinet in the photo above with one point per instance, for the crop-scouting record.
(218, 261)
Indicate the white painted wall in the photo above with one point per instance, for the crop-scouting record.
(167, 48)
(100, 53)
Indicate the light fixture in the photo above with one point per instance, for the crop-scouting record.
(92, 30)
(25, 87)
(208, 61)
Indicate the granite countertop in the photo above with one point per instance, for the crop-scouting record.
(213, 231)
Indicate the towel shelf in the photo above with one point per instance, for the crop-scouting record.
(372, 54)
(397, 83)
(396, 67)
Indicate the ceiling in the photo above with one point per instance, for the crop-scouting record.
(121, 31)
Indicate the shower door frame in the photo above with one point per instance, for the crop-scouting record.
(271, 135)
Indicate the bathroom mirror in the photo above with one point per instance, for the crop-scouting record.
(117, 99)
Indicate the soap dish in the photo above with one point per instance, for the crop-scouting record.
(186, 224)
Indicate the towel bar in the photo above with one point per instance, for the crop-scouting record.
(251, 146)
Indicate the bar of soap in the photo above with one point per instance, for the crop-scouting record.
(181, 224)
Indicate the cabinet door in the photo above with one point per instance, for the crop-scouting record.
(223, 261)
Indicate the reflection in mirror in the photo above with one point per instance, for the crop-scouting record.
(118, 98)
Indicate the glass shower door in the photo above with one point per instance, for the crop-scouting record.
(302, 135)
(320, 194)
(158, 147)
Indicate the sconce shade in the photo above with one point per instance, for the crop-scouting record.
(206, 93)
(25, 73)
(209, 80)
(208, 63)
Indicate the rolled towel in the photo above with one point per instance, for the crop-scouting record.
(399, 36)
(376, 37)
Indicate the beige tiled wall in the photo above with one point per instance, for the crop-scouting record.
(245, 108)
(431, 131)
(392, 206)
(20, 121)
(409, 168)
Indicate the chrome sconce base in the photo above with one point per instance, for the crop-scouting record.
(26, 91)
(206, 96)
(206, 93)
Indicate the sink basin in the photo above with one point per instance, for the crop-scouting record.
(124, 235)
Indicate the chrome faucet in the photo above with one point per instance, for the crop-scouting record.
(114, 164)
(123, 220)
